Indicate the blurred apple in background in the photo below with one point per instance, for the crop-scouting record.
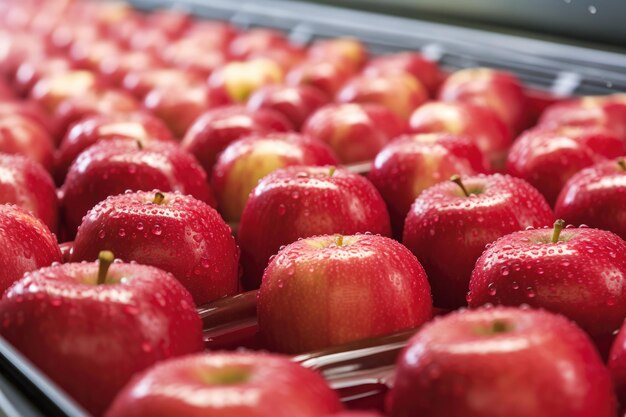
(326, 76)
(344, 51)
(298, 202)
(548, 158)
(426, 71)
(170, 231)
(114, 68)
(141, 82)
(26, 109)
(244, 162)
(286, 56)
(29, 72)
(296, 103)
(193, 56)
(239, 79)
(91, 53)
(215, 129)
(411, 163)
(356, 132)
(480, 125)
(211, 34)
(255, 40)
(54, 88)
(330, 290)
(20, 135)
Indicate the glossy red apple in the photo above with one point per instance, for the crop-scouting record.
(192, 55)
(212, 34)
(27, 244)
(26, 184)
(501, 362)
(89, 54)
(244, 162)
(27, 109)
(410, 164)
(400, 93)
(114, 166)
(450, 223)
(344, 51)
(326, 76)
(356, 132)
(480, 125)
(90, 130)
(180, 106)
(286, 56)
(170, 21)
(500, 91)
(29, 72)
(548, 158)
(24, 136)
(299, 202)
(239, 79)
(54, 88)
(330, 290)
(577, 272)
(170, 231)
(86, 327)
(295, 103)
(114, 68)
(255, 40)
(215, 129)
(617, 365)
(596, 196)
(141, 82)
(426, 71)
(230, 385)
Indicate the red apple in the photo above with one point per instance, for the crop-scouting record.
(28, 110)
(548, 158)
(18, 47)
(27, 244)
(501, 362)
(191, 55)
(596, 196)
(255, 40)
(356, 132)
(91, 329)
(608, 113)
(410, 164)
(54, 88)
(244, 162)
(89, 54)
(300, 202)
(24, 136)
(480, 125)
(212, 34)
(114, 166)
(114, 68)
(400, 93)
(577, 272)
(170, 231)
(63, 36)
(450, 223)
(345, 51)
(239, 79)
(180, 106)
(141, 82)
(501, 92)
(229, 385)
(26, 184)
(215, 129)
(326, 76)
(29, 72)
(295, 103)
(142, 127)
(617, 365)
(426, 71)
(330, 290)
(170, 21)
(286, 56)
(149, 39)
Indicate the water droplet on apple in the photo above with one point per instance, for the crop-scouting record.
(504, 271)
(611, 301)
(131, 309)
(530, 292)
(468, 297)
(121, 232)
(139, 225)
(156, 230)
(515, 285)
(102, 233)
(282, 209)
(295, 195)
(146, 347)
(491, 289)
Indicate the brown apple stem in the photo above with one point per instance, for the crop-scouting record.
(622, 164)
(105, 259)
(331, 171)
(158, 198)
(556, 232)
(139, 145)
(457, 180)
(339, 240)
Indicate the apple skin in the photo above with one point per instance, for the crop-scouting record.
(54, 88)
(27, 244)
(182, 235)
(329, 290)
(255, 40)
(448, 231)
(139, 83)
(231, 385)
(239, 79)
(180, 106)
(481, 125)
(596, 196)
(191, 54)
(244, 162)
(344, 51)
(29, 72)
(607, 112)
(26, 109)
(356, 132)
(327, 76)
(20, 135)
(501, 362)
(500, 91)
(91, 339)
(27, 184)
(299, 202)
(115, 166)
(217, 128)
(89, 54)
(211, 34)
(548, 158)
(426, 71)
(411, 163)
(296, 103)
(617, 366)
(580, 276)
(115, 68)
(400, 93)
(88, 131)
(286, 56)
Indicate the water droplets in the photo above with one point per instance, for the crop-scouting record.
(281, 210)
(121, 232)
(157, 230)
(530, 292)
(491, 289)
(102, 234)
(139, 226)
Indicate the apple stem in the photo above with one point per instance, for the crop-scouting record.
(158, 198)
(556, 232)
(457, 180)
(139, 145)
(331, 171)
(105, 259)
(500, 326)
(339, 240)
(622, 164)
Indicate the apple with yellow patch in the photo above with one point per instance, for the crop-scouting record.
(239, 79)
